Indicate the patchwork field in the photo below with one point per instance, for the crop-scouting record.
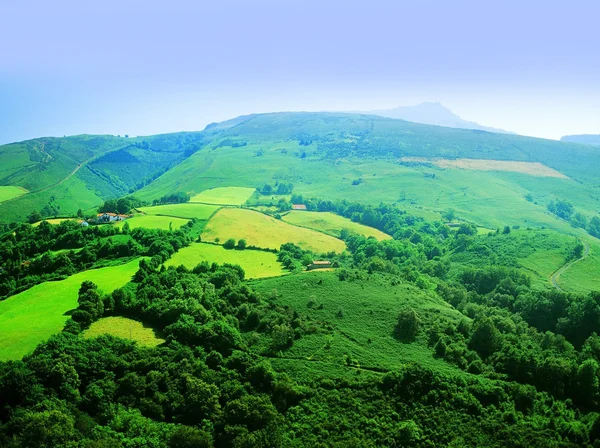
(10, 192)
(125, 328)
(331, 224)
(153, 222)
(264, 231)
(30, 317)
(256, 264)
(224, 195)
(187, 210)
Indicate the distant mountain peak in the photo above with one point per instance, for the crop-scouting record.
(433, 113)
(584, 139)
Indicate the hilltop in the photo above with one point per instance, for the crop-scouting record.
(585, 139)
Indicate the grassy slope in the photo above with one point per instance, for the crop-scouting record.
(584, 276)
(125, 328)
(375, 301)
(11, 192)
(224, 195)
(331, 224)
(153, 222)
(189, 211)
(264, 231)
(256, 264)
(32, 316)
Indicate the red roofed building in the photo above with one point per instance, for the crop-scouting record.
(298, 207)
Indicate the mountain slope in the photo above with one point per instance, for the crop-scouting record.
(433, 114)
(585, 139)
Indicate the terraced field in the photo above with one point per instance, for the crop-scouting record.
(331, 224)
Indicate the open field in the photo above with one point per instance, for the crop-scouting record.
(10, 192)
(583, 276)
(32, 316)
(53, 221)
(125, 328)
(264, 231)
(331, 224)
(153, 222)
(224, 195)
(256, 264)
(187, 210)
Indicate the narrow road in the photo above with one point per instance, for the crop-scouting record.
(554, 277)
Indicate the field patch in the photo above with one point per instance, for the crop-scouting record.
(153, 222)
(125, 328)
(531, 168)
(9, 192)
(187, 210)
(256, 264)
(32, 316)
(224, 195)
(53, 221)
(332, 224)
(264, 231)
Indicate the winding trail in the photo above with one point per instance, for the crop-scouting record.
(554, 277)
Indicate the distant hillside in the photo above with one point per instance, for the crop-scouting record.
(434, 114)
(585, 139)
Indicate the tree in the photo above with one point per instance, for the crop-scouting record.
(34, 217)
(485, 338)
(80, 213)
(229, 244)
(449, 215)
(408, 325)
(241, 245)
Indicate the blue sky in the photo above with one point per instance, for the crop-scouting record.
(143, 67)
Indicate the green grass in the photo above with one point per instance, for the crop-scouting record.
(30, 317)
(53, 221)
(346, 306)
(256, 264)
(224, 196)
(125, 328)
(11, 192)
(331, 224)
(187, 210)
(153, 222)
(264, 231)
(583, 276)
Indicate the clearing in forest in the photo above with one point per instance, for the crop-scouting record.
(224, 195)
(332, 224)
(154, 222)
(256, 263)
(264, 231)
(9, 192)
(187, 210)
(32, 316)
(125, 328)
(531, 168)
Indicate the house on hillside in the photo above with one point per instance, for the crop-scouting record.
(111, 217)
(318, 265)
(298, 207)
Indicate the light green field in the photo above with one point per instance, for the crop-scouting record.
(331, 224)
(53, 221)
(187, 210)
(256, 264)
(224, 195)
(264, 231)
(153, 222)
(31, 317)
(125, 328)
(583, 276)
(10, 192)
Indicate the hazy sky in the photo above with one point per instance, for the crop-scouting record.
(144, 67)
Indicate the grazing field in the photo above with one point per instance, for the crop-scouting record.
(346, 306)
(256, 264)
(125, 328)
(32, 316)
(332, 224)
(583, 276)
(187, 210)
(153, 222)
(54, 221)
(224, 195)
(264, 231)
(10, 192)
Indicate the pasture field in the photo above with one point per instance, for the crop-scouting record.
(583, 276)
(224, 195)
(346, 306)
(32, 316)
(187, 210)
(53, 221)
(331, 224)
(125, 328)
(256, 264)
(10, 192)
(264, 231)
(153, 222)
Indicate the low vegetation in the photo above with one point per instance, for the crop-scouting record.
(224, 195)
(10, 192)
(124, 328)
(153, 222)
(187, 211)
(331, 224)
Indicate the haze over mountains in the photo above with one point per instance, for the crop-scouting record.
(433, 113)
(585, 139)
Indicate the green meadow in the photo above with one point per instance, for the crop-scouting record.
(331, 224)
(187, 210)
(256, 264)
(583, 276)
(32, 316)
(224, 196)
(10, 192)
(153, 222)
(123, 327)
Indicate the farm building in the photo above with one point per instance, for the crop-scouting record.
(111, 217)
(298, 207)
(318, 265)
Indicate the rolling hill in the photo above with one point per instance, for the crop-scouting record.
(586, 139)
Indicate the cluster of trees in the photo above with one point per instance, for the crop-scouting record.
(278, 188)
(293, 257)
(565, 210)
(174, 198)
(121, 205)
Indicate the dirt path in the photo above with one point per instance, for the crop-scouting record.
(554, 277)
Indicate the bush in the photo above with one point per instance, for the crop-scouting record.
(229, 244)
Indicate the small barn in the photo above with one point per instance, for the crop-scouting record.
(298, 207)
(318, 265)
